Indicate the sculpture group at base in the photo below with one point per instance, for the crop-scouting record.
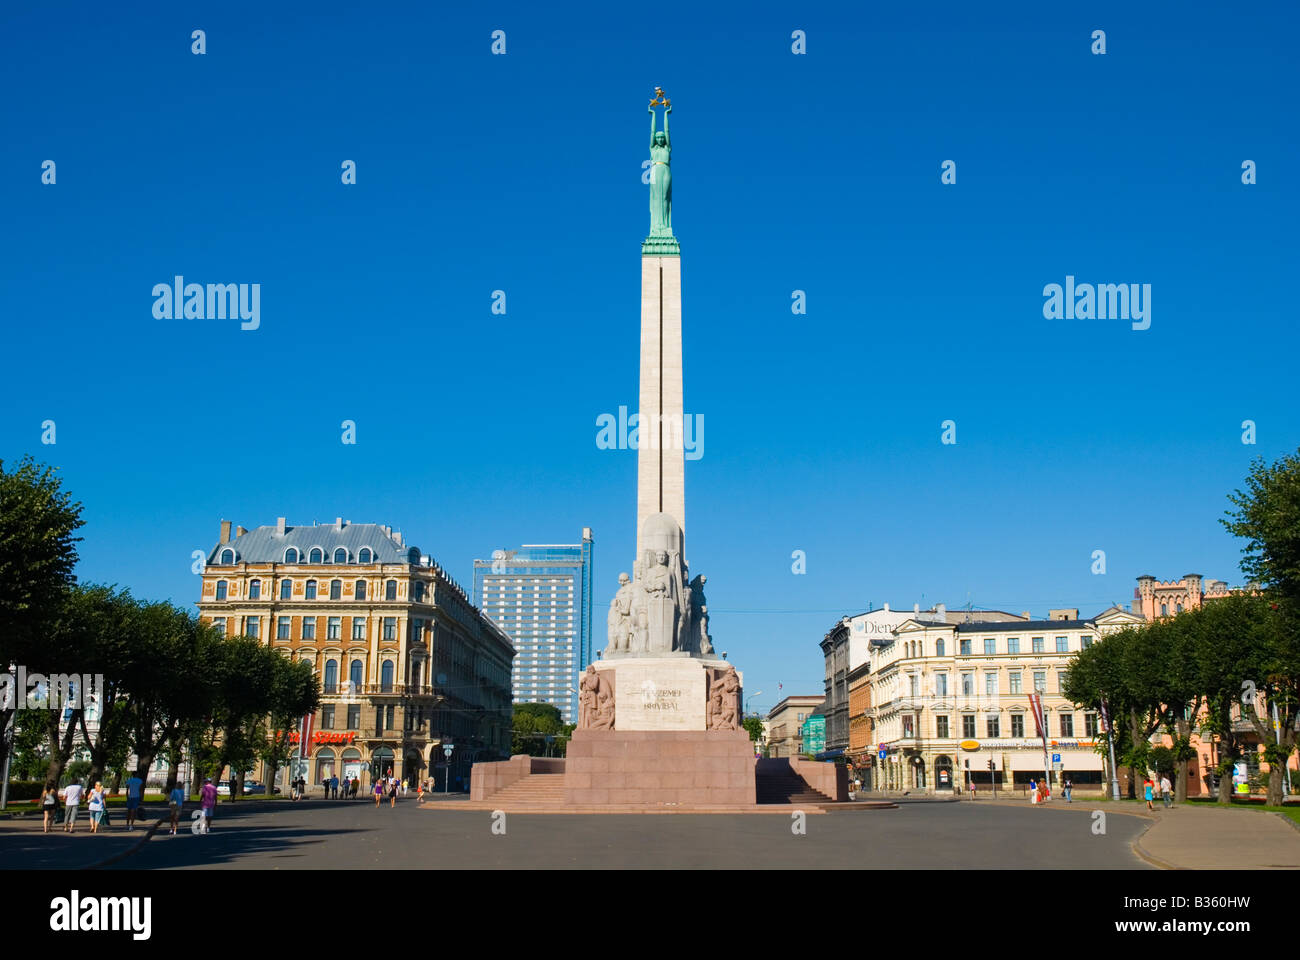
(658, 610)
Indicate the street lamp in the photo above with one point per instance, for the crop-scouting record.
(756, 693)
(447, 748)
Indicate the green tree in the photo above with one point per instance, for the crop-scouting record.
(295, 692)
(1267, 517)
(538, 729)
(38, 553)
(755, 727)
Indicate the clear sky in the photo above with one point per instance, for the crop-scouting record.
(817, 172)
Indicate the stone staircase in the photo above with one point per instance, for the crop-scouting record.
(545, 790)
(786, 787)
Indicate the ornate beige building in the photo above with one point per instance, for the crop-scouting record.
(950, 699)
(406, 663)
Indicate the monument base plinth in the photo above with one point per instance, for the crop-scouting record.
(659, 767)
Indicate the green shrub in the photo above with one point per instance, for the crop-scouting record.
(25, 789)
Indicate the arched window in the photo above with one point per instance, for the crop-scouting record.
(286, 589)
(291, 555)
(221, 589)
(390, 590)
(386, 676)
(938, 647)
(317, 555)
(254, 589)
(1178, 608)
(227, 556)
(354, 673)
(1164, 609)
(336, 589)
(341, 555)
(311, 590)
(331, 676)
(361, 590)
(364, 555)
(324, 764)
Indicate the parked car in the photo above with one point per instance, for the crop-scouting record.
(223, 788)
(254, 786)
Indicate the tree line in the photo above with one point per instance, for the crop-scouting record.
(171, 683)
(1235, 658)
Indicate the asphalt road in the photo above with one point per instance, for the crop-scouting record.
(348, 836)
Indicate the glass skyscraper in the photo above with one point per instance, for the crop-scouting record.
(540, 596)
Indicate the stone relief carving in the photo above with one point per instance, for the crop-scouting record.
(596, 701)
(723, 711)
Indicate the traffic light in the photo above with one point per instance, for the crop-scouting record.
(990, 764)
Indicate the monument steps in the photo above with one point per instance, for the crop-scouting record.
(546, 789)
(786, 788)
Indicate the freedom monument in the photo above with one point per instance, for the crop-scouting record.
(659, 720)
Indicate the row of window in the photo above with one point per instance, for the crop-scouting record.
(333, 628)
(993, 725)
(314, 555)
(966, 648)
(1014, 681)
(335, 590)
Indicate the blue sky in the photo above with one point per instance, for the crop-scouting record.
(521, 172)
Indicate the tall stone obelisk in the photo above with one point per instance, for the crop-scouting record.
(661, 468)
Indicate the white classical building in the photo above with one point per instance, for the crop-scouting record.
(950, 703)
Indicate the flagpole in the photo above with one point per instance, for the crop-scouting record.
(1110, 742)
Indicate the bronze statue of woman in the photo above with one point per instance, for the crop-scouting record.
(661, 178)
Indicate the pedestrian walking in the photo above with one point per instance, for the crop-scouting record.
(175, 802)
(334, 785)
(1166, 791)
(1147, 788)
(134, 788)
(379, 792)
(392, 792)
(96, 806)
(419, 792)
(71, 804)
(1066, 788)
(208, 803)
(1033, 790)
(49, 806)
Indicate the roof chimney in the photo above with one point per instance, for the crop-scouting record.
(397, 538)
(240, 531)
(941, 612)
(1024, 614)
(225, 531)
(885, 608)
(338, 523)
(279, 526)
(916, 609)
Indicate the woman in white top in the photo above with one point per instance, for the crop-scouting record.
(96, 807)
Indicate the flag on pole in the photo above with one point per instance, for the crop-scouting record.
(1105, 717)
(304, 748)
(1036, 705)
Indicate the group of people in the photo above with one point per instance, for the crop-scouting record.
(97, 804)
(332, 783)
(1040, 792)
(1163, 790)
(389, 787)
